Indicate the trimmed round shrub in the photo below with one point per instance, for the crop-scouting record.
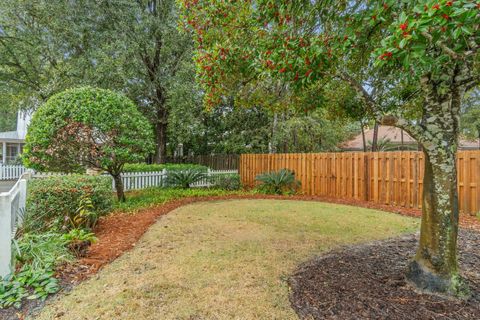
(88, 128)
(62, 203)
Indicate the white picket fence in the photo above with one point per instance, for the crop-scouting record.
(11, 172)
(12, 204)
(143, 180)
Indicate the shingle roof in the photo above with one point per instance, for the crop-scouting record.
(394, 135)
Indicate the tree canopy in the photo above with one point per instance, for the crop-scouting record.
(87, 128)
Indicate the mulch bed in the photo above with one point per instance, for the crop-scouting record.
(119, 232)
(367, 282)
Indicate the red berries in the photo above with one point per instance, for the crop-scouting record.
(445, 16)
(282, 70)
(386, 55)
(436, 6)
(404, 26)
(449, 3)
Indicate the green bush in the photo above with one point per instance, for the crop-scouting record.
(184, 179)
(144, 167)
(37, 256)
(61, 203)
(230, 182)
(279, 182)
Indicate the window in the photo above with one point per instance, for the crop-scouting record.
(13, 151)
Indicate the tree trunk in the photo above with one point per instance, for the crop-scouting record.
(161, 140)
(364, 139)
(119, 188)
(375, 137)
(435, 266)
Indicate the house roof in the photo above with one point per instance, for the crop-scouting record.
(395, 136)
(10, 135)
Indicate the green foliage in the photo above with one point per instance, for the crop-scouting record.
(311, 132)
(184, 179)
(157, 196)
(67, 202)
(143, 167)
(78, 241)
(470, 116)
(79, 235)
(28, 283)
(43, 250)
(37, 255)
(229, 182)
(87, 127)
(279, 182)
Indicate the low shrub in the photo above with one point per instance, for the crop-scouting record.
(62, 203)
(37, 256)
(143, 167)
(279, 182)
(184, 179)
(229, 182)
(78, 241)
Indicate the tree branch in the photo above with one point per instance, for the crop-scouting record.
(442, 46)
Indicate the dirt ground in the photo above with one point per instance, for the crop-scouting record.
(367, 282)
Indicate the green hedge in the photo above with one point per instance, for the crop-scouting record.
(143, 167)
(54, 202)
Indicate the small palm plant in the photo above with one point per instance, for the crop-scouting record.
(279, 182)
(184, 179)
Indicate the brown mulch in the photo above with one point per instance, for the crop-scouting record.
(119, 232)
(367, 282)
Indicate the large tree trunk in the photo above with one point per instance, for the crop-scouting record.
(435, 266)
(119, 188)
(161, 140)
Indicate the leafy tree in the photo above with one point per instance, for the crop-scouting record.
(129, 46)
(409, 62)
(311, 132)
(88, 127)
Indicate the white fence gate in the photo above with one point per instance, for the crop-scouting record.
(11, 172)
(12, 203)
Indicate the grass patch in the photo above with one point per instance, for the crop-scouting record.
(222, 260)
(147, 198)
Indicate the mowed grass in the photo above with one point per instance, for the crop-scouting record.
(222, 260)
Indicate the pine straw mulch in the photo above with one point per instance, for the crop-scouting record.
(119, 232)
(367, 282)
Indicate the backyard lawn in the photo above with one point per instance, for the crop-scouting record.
(222, 260)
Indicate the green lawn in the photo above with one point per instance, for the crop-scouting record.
(222, 260)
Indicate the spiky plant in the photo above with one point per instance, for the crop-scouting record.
(184, 179)
(278, 182)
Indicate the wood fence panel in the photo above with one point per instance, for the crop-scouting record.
(393, 178)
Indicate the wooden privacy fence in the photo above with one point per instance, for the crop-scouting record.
(392, 178)
(215, 162)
